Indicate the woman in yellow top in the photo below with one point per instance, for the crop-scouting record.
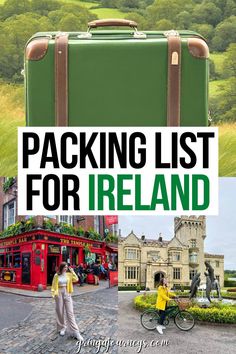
(62, 287)
(163, 295)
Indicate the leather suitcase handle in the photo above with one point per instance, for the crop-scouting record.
(112, 22)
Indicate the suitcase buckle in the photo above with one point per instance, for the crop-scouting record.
(171, 33)
(139, 35)
(85, 35)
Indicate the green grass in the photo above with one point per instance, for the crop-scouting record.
(11, 116)
(227, 150)
(84, 3)
(107, 13)
(100, 12)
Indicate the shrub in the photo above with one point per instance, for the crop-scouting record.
(130, 288)
(215, 313)
(233, 290)
(229, 283)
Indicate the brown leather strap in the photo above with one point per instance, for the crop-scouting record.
(61, 80)
(174, 80)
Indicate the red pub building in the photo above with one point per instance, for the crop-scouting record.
(29, 260)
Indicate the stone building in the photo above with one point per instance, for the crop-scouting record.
(144, 261)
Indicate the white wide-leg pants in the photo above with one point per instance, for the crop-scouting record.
(64, 312)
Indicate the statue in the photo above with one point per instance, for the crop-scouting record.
(194, 285)
(211, 282)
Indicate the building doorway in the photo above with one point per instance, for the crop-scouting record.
(52, 265)
(26, 268)
(157, 277)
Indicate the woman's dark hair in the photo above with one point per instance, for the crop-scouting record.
(161, 282)
(61, 266)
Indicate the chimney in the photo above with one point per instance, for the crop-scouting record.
(143, 237)
(160, 237)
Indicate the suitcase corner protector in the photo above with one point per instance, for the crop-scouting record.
(198, 48)
(36, 49)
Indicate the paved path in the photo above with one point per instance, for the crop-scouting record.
(208, 339)
(96, 315)
(12, 310)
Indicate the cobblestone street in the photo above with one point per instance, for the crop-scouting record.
(96, 315)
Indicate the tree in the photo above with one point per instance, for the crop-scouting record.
(14, 7)
(164, 25)
(166, 9)
(183, 20)
(14, 34)
(207, 13)
(207, 31)
(224, 34)
(70, 22)
(229, 8)
(141, 21)
(230, 61)
(43, 7)
(131, 4)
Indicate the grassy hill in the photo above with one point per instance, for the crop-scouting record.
(11, 116)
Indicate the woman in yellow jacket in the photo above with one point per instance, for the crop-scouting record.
(163, 295)
(62, 288)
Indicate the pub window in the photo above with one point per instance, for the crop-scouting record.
(16, 260)
(9, 260)
(176, 273)
(2, 260)
(218, 278)
(67, 219)
(9, 213)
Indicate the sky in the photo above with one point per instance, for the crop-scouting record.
(220, 230)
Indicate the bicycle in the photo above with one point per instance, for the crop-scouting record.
(183, 319)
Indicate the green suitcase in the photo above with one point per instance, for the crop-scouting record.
(117, 77)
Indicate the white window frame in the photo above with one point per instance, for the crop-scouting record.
(96, 223)
(6, 222)
(67, 219)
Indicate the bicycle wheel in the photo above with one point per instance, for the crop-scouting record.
(184, 320)
(150, 319)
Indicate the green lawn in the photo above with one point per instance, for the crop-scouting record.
(100, 12)
(11, 116)
(83, 3)
(108, 13)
